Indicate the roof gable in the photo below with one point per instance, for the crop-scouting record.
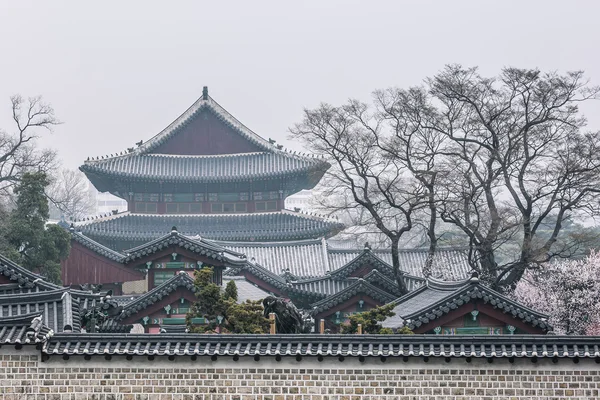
(436, 299)
(204, 133)
(366, 259)
(202, 110)
(197, 245)
(180, 280)
(197, 141)
(359, 287)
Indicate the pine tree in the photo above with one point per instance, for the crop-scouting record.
(29, 242)
(231, 291)
(370, 321)
(213, 303)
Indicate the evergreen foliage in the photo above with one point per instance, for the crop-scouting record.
(231, 291)
(370, 320)
(27, 240)
(213, 303)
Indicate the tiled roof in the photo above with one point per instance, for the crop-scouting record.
(142, 164)
(182, 279)
(197, 245)
(357, 287)
(316, 258)
(303, 258)
(113, 326)
(366, 346)
(260, 272)
(125, 299)
(246, 290)
(367, 257)
(26, 279)
(282, 225)
(59, 311)
(328, 285)
(389, 285)
(452, 262)
(205, 168)
(24, 329)
(437, 298)
(95, 246)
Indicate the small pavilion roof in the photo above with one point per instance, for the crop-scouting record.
(438, 298)
(359, 286)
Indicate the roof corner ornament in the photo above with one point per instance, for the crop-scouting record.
(139, 143)
(174, 230)
(205, 93)
(474, 277)
(367, 246)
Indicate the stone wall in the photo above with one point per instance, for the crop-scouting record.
(23, 375)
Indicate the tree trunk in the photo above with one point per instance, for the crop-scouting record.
(488, 264)
(427, 268)
(396, 265)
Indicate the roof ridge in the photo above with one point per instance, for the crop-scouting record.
(181, 277)
(358, 283)
(204, 102)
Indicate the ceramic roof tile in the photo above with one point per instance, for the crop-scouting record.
(437, 298)
(339, 346)
(140, 163)
(204, 169)
(58, 310)
(282, 225)
(358, 286)
(24, 329)
(196, 245)
(181, 279)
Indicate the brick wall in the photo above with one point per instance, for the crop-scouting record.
(23, 375)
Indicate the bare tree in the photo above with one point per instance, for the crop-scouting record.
(516, 159)
(18, 153)
(365, 179)
(69, 193)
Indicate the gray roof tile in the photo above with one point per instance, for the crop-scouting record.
(438, 298)
(142, 164)
(359, 286)
(367, 346)
(24, 329)
(142, 228)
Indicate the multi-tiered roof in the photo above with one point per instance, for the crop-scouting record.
(210, 175)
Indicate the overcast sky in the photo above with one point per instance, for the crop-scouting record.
(117, 72)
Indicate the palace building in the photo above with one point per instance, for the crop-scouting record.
(209, 175)
(208, 191)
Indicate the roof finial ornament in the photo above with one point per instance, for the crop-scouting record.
(205, 93)
(174, 230)
(367, 246)
(474, 277)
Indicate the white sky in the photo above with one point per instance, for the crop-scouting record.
(120, 71)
